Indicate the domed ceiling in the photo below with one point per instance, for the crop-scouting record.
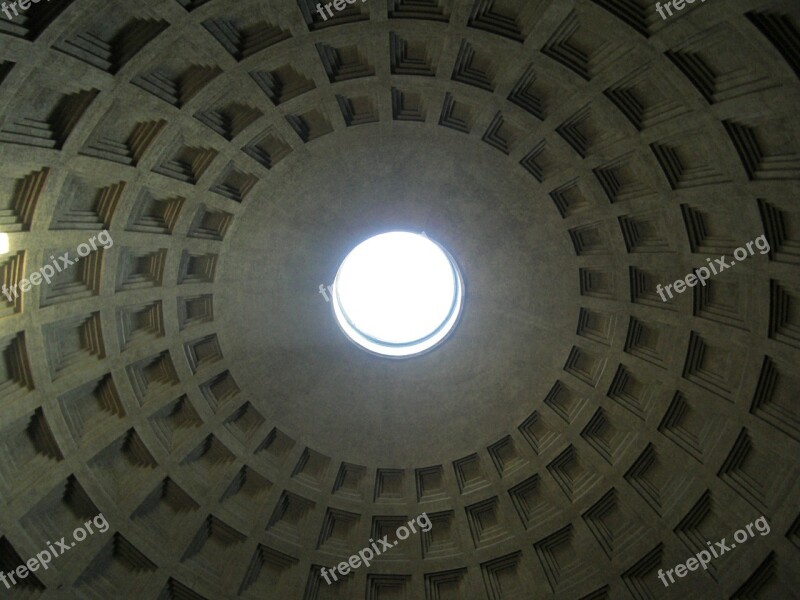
(584, 430)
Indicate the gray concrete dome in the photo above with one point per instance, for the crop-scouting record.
(574, 435)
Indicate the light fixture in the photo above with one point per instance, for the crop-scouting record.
(398, 294)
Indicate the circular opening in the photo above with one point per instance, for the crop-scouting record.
(397, 294)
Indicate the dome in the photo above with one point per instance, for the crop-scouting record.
(603, 198)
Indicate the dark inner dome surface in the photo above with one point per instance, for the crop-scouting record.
(617, 182)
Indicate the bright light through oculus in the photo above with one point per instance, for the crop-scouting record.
(397, 294)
